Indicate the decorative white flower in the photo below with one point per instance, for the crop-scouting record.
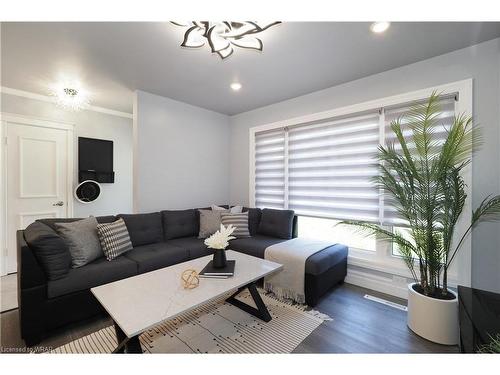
(221, 238)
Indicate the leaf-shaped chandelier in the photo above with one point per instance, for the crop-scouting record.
(224, 36)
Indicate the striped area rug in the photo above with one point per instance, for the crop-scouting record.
(217, 327)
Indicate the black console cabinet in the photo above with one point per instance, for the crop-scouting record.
(479, 313)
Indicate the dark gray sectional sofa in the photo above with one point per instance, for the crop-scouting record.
(159, 239)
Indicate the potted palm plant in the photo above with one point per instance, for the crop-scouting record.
(422, 179)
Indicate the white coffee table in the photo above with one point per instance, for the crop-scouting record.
(140, 302)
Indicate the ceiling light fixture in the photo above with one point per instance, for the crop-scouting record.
(223, 36)
(235, 86)
(379, 27)
(71, 97)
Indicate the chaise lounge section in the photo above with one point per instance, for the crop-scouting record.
(159, 239)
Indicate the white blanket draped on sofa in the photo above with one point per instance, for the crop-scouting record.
(292, 254)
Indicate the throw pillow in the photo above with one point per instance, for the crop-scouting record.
(114, 238)
(276, 223)
(209, 222)
(49, 249)
(253, 220)
(51, 222)
(214, 207)
(236, 209)
(239, 221)
(233, 210)
(82, 240)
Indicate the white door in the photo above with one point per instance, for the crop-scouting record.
(38, 178)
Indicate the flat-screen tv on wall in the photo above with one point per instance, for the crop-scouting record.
(95, 160)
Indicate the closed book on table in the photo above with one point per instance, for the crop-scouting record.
(211, 272)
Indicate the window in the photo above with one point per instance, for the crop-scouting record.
(404, 231)
(326, 229)
(324, 169)
(322, 165)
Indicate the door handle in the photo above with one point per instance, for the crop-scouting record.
(60, 203)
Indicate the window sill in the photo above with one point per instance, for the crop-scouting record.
(389, 264)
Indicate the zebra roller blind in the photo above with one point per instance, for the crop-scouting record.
(270, 169)
(324, 169)
(330, 166)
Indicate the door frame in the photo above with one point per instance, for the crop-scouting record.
(5, 119)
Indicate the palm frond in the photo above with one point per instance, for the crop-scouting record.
(488, 210)
(493, 347)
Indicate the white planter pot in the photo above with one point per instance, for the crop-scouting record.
(434, 319)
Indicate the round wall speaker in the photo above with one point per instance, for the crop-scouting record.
(87, 191)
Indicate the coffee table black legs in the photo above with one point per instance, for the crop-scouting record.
(125, 344)
(260, 312)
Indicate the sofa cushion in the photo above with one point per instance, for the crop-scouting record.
(196, 246)
(276, 223)
(255, 245)
(50, 250)
(82, 240)
(96, 273)
(254, 215)
(325, 259)
(180, 223)
(51, 222)
(144, 229)
(158, 255)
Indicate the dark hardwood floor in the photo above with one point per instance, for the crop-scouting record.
(359, 326)
(363, 326)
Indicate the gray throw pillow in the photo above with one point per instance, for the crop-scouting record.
(82, 240)
(210, 222)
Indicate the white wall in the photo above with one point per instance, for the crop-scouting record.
(181, 155)
(480, 62)
(115, 198)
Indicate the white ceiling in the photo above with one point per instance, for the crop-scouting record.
(114, 59)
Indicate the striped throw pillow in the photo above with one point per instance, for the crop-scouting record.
(239, 221)
(114, 238)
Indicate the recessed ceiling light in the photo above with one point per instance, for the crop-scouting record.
(235, 86)
(379, 27)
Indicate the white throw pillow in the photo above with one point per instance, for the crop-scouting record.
(233, 210)
(217, 208)
(236, 209)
